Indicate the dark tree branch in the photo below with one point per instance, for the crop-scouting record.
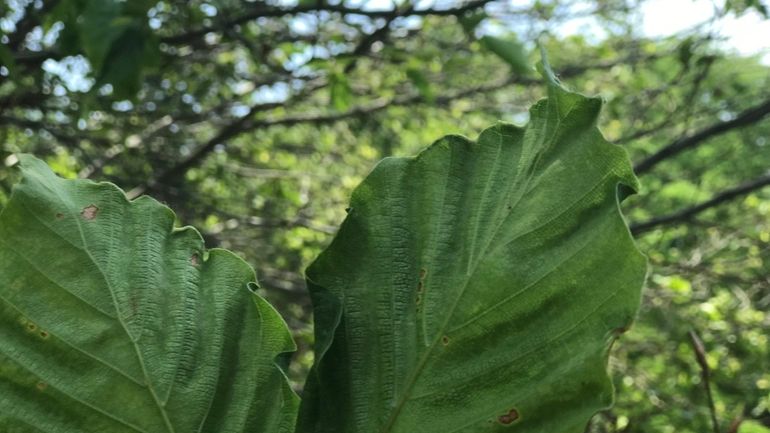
(747, 117)
(671, 118)
(24, 99)
(33, 59)
(288, 223)
(271, 11)
(365, 45)
(226, 133)
(661, 126)
(246, 124)
(71, 140)
(686, 214)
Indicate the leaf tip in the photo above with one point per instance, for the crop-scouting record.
(25, 162)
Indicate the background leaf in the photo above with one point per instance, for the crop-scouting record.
(421, 83)
(129, 58)
(111, 320)
(510, 51)
(7, 60)
(751, 426)
(470, 21)
(101, 25)
(340, 91)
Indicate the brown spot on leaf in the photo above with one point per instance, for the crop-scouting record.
(445, 340)
(32, 327)
(44, 335)
(41, 386)
(89, 212)
(195, 260)
(59, 216)
(509, 417)
(419, 287)
(423, 273)
(418, 300)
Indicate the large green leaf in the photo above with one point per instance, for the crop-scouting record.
(113, 321)
(478, 286)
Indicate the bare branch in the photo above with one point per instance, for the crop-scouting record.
(747, 117)
(246, 124)
(61, 136)
(700, 358)
(366, 43)
(272, 11)
(686, 214)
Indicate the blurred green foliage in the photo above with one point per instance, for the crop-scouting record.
(255, 120)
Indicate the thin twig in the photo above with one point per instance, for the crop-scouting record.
(745, 118)
(700, 357)
(272, 11)
(688, 213)
(247, 124)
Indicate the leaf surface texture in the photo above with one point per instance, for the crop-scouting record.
(478, 286)
(112, 320)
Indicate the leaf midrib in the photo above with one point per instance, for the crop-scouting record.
(483, 253)
(135, 344)
(426, 355)
(73, 212)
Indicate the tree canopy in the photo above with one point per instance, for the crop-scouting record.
(255, 120)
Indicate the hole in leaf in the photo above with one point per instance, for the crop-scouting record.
(89, 213)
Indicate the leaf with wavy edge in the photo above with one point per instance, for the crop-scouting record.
(478, 286)
(112, 320)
